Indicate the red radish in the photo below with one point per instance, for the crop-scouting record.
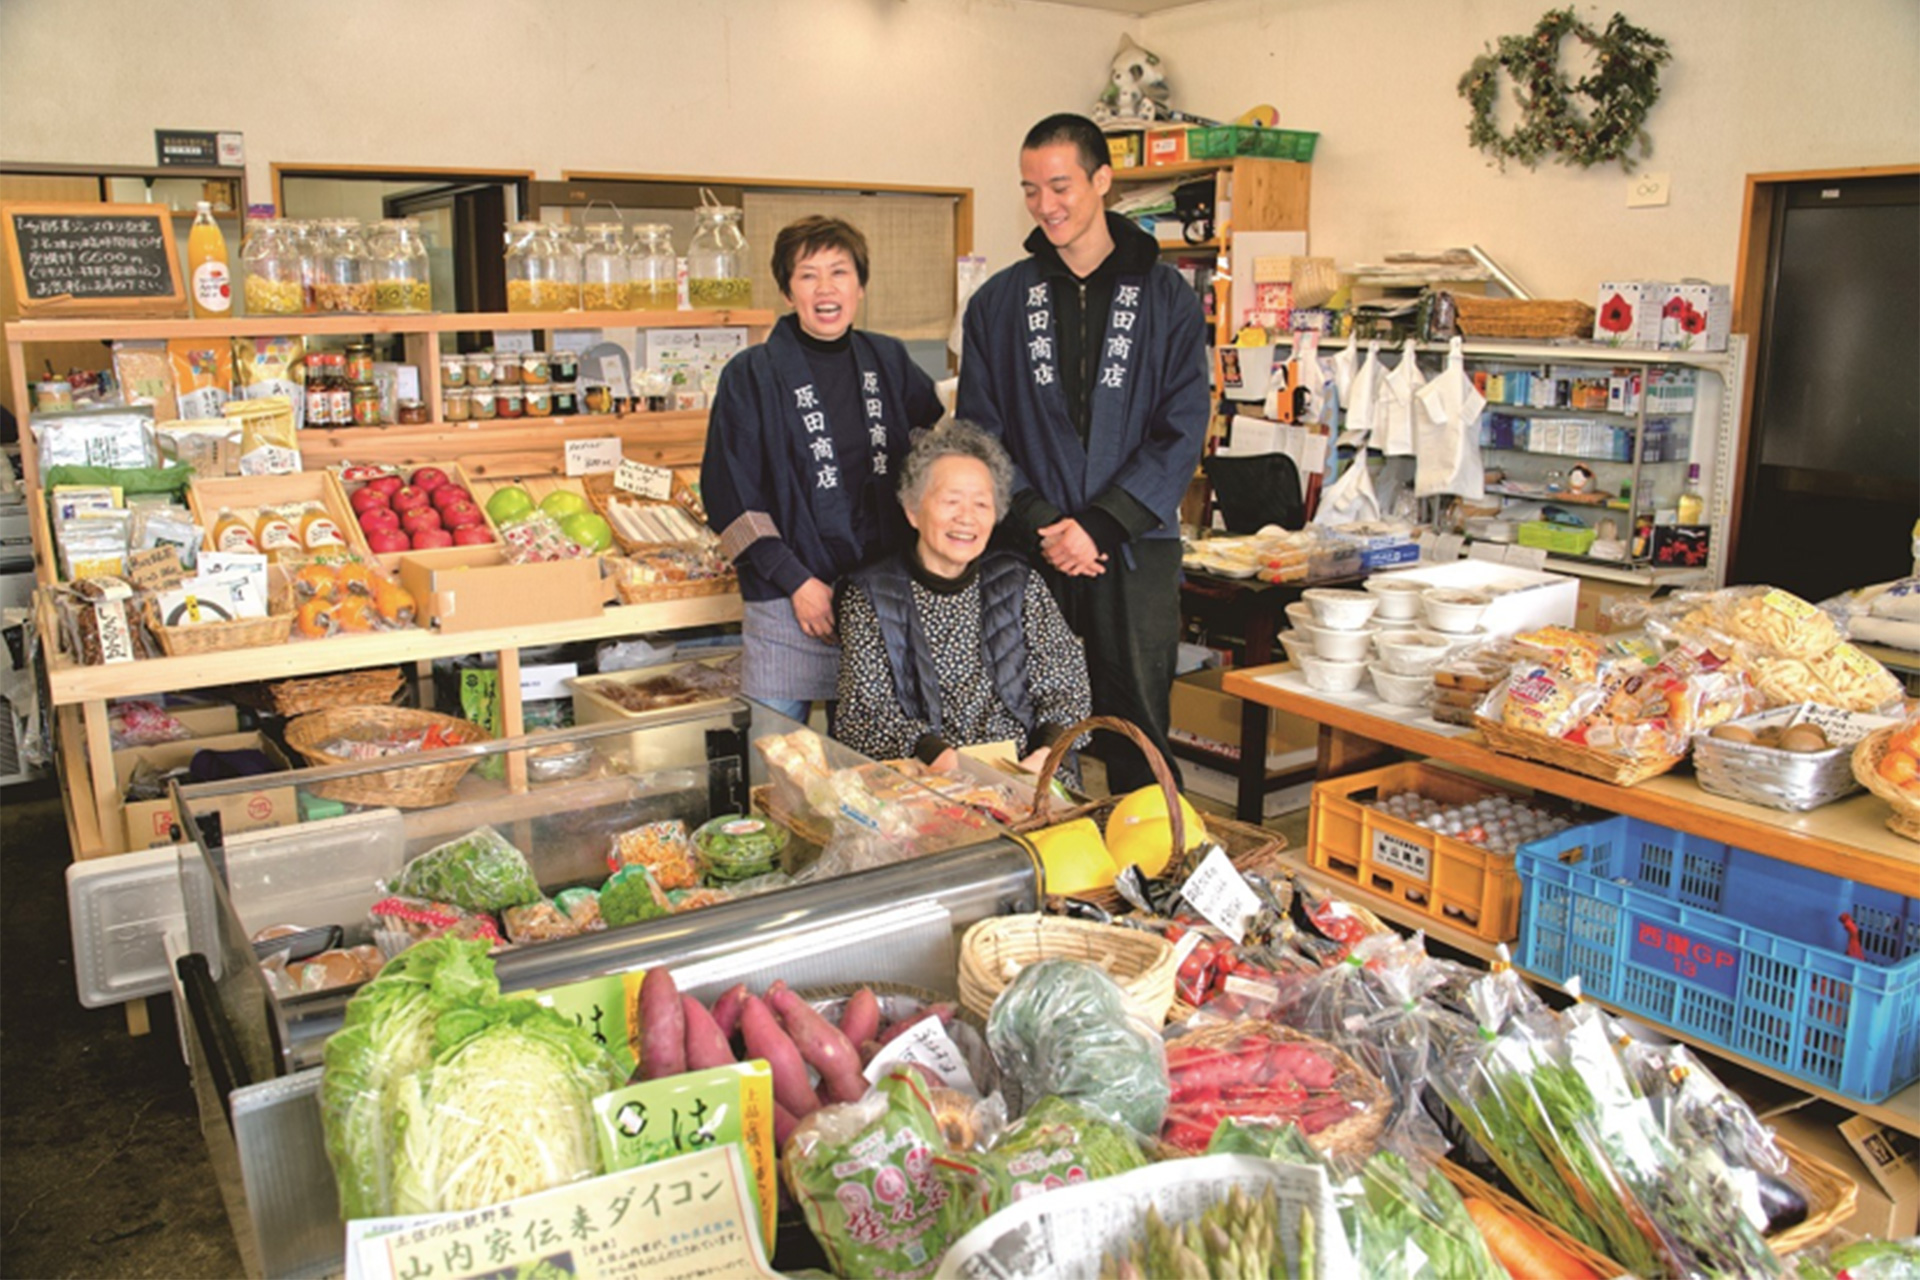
(447, 494)
(860, 1020)
(366, 499)
(385, 484)
(706, 1045)
(430, 539)
(458, 515)
(766, 1040)
(663, 1026)
(428, 478)
(474, 535)
(420, 518)
(379, 520)
(822, 1044)
(407, 497)
(726, 1010)
(386, 542)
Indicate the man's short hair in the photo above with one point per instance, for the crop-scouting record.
(811, 235)
(1082, 133)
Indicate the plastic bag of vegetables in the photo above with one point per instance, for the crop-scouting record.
(1062, 1027)
(505, 1109)
(480, 871)
(1058, 1143)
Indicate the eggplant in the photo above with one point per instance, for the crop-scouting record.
(1782, 1202)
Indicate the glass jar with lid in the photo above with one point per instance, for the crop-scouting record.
(653, 269)
(343, 280)
(303, 244)
(270, 259)
(603, 268)
(542, 272)
(717, 273)
(400, 276)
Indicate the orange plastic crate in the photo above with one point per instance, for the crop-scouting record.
(1449, 880)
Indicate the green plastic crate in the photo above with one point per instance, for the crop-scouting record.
(1560, 538)
(1225, 141)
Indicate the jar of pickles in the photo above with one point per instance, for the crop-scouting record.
(603, 268)
(270, 259)
(538, 269)
(401, 285)
(717, 273)
(359, 362)
(366, 404)
(343, 279)
(652, 268)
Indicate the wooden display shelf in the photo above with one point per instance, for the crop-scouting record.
(108, 329)
(511, 447)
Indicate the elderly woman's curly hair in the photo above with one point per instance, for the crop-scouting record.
(955, 438)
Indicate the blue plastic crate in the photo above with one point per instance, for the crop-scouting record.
(1743, 951)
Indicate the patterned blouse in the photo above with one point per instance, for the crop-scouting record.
(870, 718)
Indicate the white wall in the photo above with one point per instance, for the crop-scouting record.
(1754, 86)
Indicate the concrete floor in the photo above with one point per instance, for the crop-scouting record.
(103, 1170)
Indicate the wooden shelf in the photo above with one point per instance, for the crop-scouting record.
(111, 329)
(1190, 168)
(513, 446)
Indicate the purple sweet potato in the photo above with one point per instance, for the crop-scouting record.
(766, 1040)
(860, 1019)
(824, 1047)
(726, 1010)
(663, 1026)
(706, 1046)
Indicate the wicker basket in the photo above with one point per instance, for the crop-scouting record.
(1521, 317)
(993, 951)
(1607, 766)
(417, 786)
(1353, 1136)
(1831, 1198)
(215, 637)
(1905, 818)
(1467, 1184)
(372, 687)
(633, 593)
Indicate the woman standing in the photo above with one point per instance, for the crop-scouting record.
(806, 432)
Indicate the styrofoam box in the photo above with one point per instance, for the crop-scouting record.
(662, 745)
(1523, 599)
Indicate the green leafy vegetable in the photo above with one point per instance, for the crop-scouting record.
(1059, 1142)
(1061, 1027)
(631, 895)
(480, 871)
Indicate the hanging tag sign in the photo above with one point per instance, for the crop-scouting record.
(647, 482)
(1218, 893)
(585, 457)
(927, 1044)
(518, 341)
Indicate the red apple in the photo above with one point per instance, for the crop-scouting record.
(460, 515)
(430, 538)
(384, 484)
(448, 494)
(379, 520)
(472, 535)
(366, 499)
(410, 496)
(420, 518)
(428, 478)
(388, 541)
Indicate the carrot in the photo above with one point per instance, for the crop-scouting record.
(767, 1041)
(663, 1026)
(824, 1046)
(706, 1046)
(860, 1020)
(1523, 1249)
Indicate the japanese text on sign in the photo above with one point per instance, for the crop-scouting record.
(1698, 960)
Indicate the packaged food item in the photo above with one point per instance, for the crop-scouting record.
(399, 922)
(232, 532)
(538, 539)
(1776, 622)
(145, 376)
(166, 526)
(211, 597)
(736, 847)
(268, 437)
(318, 531)
(540, 921)
(273, 533)
(210, 447)
(582, 906)
(481, 871)
(202, 375)
(100, 621)
(93, 544)
(661, 847)
(118, 437)
(272, 367)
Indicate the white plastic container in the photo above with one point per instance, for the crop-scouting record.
(1339, 609)
(1341, 646)
(1412, 653)
(1300, 614)
(1400, 690)
(1399, 599)
(1453, 610)
(1329, 676)
(1298, 645)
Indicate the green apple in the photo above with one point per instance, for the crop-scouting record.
(562, 503)
(509, 504)
(589, 530)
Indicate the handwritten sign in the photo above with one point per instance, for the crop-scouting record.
(1217, 891)
(585, 457)
(93, 259)
(927, 1043)
(646, 481)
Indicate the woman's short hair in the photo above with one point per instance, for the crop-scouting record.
(955, 438)
(810, 235)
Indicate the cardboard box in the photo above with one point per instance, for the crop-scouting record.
(1123, 149)
(1626, 313)
(1167, 145)
(1596, 597)
(1696, 316)
(1813, 1130)
(149, 823)
(1202, 709)
(1524, 600)
(478, 591)
(207, 721)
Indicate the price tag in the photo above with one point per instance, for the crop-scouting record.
(1791, 605)
(519, 341)
(155, 567)
(641, 479)
(614, 371)
(1221, 896)
(585, 457)
(1857, 662)
(927, 1043)
(1251, 989)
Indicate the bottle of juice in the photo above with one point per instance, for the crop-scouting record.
(209, 289)
(318, 532)
(273, 533)
(231, 533)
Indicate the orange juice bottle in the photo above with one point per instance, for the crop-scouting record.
(231, 533)
(318, 532)
(209, 288)
(273, 533)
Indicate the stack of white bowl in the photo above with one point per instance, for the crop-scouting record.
(1407, 655)
(1336, 630)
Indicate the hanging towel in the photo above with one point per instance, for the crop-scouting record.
(1449, 432)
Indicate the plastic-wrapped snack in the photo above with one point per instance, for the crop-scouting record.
(1547, 701)
(1854, 681)
(1773, 621)
(121, 438)
(538, 539)
(540, 921)
(480, 871)
(400, 922)
(582, 906)
(661, 847)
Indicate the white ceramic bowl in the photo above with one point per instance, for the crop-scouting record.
(1300, 614)
(1401, 690)
(1329, 676)
(1399, 598)
(1461, 641)
(1341, 610)
(1341, 646)
(1412, 653)
(1298, 645)
(1453, 610)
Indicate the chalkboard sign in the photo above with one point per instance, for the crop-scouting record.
(93, 259)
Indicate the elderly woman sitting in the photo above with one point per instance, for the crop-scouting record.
(943, 647)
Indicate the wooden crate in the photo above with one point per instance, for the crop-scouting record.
(208, 497)
(390, 560)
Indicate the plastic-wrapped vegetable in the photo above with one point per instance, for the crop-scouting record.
(736, 847)
(1061, 1027)
(1058, 1143)
(1860, 1260)
(480, 871)
(631, 895)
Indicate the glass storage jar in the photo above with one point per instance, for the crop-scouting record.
(400, 277)
(480, 369)
(344, 280)
(717, 273)
(303, 243)
(543, 274)
(603, 268)
(653, 269)
(453, 370)
(457, 403)
(483, 401)
(270, 259)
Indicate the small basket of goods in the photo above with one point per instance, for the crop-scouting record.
(1887, 763)
(1798, 757)
(355, 735)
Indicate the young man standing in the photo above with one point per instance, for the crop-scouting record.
(1088, 359)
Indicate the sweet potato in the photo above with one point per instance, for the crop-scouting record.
(706, 1046)
(766, 1040)
(943, 1011)
(784, 1123)
(663, 1026)
(824, 1047)
(860, 1019)
(726, 1010)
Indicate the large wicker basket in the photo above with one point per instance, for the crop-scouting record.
(371, 687)
(1607, 766)
(417, 786)
(216, 637)
(1905, 818)
(1522, 317)
(1467, 1184)
(1353, 1136)
(994, 951)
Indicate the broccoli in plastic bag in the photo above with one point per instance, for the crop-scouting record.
(1062, 1027)
(480, 871)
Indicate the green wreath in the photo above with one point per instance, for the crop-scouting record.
(1623, 87)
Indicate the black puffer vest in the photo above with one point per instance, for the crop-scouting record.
(1003, 640)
